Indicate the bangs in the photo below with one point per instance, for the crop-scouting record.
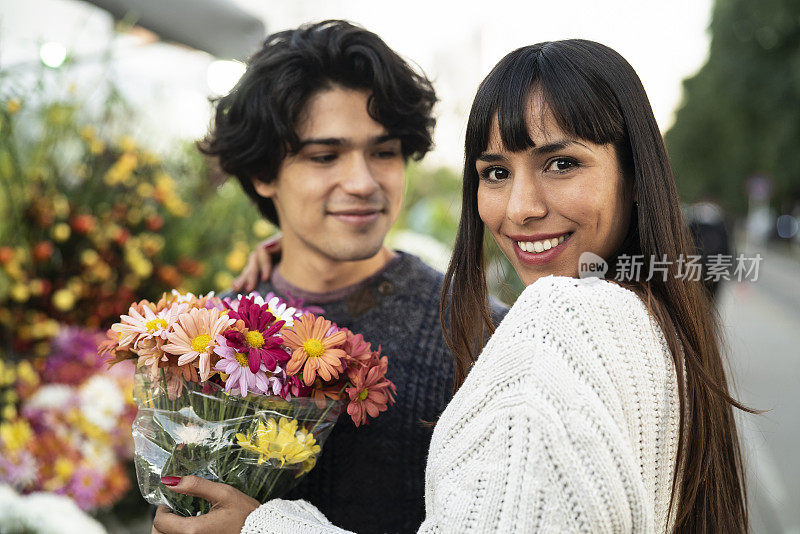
(580, 101)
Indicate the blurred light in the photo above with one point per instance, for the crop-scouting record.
(53, 54)
(222, 75)
(787, 226)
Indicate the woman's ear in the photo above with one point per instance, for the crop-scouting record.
(264, 189)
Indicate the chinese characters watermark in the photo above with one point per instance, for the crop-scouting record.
(715, 268)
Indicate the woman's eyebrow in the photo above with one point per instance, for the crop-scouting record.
(490, 158)
(555, 146)
(549, 148)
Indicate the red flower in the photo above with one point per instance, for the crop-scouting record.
(259, 342)
(371, 391)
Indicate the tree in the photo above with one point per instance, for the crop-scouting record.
(740, 113)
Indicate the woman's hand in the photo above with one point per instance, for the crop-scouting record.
(229, 510)
(259, 264)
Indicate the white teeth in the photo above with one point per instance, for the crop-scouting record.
(541, 246)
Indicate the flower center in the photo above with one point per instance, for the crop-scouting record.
(200, 343)
(254, 339)
(363, 395)
(155, 324)
(314, 348)
(242, 359)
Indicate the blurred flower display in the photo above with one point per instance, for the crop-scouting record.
(91, 220)
(65, 427)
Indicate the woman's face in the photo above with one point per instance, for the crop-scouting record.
(548, 204)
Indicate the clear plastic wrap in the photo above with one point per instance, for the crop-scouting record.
(259, 444)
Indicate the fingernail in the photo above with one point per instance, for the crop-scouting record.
(170, 481)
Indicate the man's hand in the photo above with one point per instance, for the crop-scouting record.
(259, 265)
(229, 510)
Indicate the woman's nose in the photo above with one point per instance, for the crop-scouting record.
(527, 200)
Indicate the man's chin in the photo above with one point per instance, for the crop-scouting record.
(358, 251)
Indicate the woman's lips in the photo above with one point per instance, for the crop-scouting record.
(540, 258)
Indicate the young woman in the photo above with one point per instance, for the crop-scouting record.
(596, 405)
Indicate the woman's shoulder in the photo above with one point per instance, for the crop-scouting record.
(592, 328)
(565, 303)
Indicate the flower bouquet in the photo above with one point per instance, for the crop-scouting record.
(242, 391)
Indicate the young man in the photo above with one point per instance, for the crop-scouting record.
(318, 132)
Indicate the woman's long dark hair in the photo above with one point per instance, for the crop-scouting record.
(594, 94)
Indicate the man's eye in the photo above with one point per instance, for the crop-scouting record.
(562, 164)
(323, 158)
(495, 174)
(386, 154)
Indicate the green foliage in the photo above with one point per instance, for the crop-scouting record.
(741, 111)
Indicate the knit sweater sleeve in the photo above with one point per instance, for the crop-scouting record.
(566, 423)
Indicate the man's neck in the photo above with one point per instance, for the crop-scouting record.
(323, 275)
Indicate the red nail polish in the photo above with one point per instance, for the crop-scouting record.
(170, 481)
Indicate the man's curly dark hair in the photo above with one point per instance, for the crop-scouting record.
(255, 125)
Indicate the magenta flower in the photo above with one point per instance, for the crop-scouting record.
(259, 342)
(240, 377)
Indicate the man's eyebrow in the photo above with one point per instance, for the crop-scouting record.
(341, 141)
(329, 141)
(548, 148)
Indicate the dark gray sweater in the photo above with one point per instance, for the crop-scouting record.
(372, 478)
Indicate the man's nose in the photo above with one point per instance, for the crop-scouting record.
(358, 178)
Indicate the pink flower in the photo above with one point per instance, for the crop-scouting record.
(241, 378)
(194, 337)
(357, 349)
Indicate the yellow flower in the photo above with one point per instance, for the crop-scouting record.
(120, 172)
(9, 412)
(15, 435)
(237, 259)
(9, 376)
(127, 143)
(88, 133)
(96, 146)
(61, 206)
(144, 190)
(263, 228)
(63, 468)
(13, 105)
(282, 441)
(26, 372)
(89, 257)
(20, 292)
(61, 232)
(223, 280)
(64, 300)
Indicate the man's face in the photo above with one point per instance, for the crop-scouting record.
(338, 196)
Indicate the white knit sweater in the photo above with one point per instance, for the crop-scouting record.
(568, 422)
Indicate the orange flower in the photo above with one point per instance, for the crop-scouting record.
(315, 349)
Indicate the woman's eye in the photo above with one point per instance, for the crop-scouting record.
(561, 164)
(323, 158)
(495, 174)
